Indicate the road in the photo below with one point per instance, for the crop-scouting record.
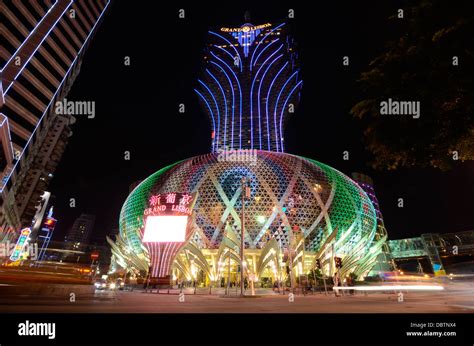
(457, 298)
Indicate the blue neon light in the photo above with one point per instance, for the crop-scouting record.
(233, 100)
(278, 100)
(218, 113)
(212, 116)
(251, 99)
(268, 102)
(225, 105)
(246, 39)
(240, 92)
(263, 50)
(283, 108)
(225, 51)
(259, 42)
(259, 89)
(240, 59)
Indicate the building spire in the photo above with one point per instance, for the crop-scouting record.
(247, 16)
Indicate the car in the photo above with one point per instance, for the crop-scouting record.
(120, 284)
(100, 285)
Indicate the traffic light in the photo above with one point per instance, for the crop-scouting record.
(338, 262)
(318, 264)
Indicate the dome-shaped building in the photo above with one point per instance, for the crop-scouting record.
(290, 196)
(299, 214)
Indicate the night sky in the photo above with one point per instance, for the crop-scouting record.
(137, 109)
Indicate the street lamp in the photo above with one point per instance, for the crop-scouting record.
(245, 195)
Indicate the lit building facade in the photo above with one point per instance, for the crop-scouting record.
(298, 211)
(251, 82)
(80, 232)
(44, 43)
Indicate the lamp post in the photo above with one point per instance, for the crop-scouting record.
(228, 275)
(242, 230)
(245, 194)
(290, 247)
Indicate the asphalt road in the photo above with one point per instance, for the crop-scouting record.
(456, 298)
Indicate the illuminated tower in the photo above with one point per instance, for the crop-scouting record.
(40, 56)
(250, 83)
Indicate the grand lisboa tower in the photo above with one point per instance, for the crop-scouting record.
(300, 214)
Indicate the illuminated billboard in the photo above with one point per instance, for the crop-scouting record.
(165, 229)
(20, 244)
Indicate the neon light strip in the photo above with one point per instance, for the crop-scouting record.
(27, 37)
(56, 92)
(231, 57)
(259, 89)
(256, 48)
(263, 50)
(240, 60)
(39, 45)
(233, 101)
(240, 92)
(163, 258)
(268, 102)
(212, 117)
(216, 135)
(283, 108)
(278, 100)
(5, 122)
(225, 106)
(244, 43)
(251, 99)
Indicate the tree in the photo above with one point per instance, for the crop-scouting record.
(431, 61)
(315, 276)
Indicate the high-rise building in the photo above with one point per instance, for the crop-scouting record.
(40, 57)
(295, 212)
(80, 232)
(250, 84)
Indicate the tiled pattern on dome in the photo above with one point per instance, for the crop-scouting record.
(288, 192)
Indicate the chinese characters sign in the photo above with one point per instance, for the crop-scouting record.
(170, 203)
(166, 218)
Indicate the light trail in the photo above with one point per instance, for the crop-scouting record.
(393, 288)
